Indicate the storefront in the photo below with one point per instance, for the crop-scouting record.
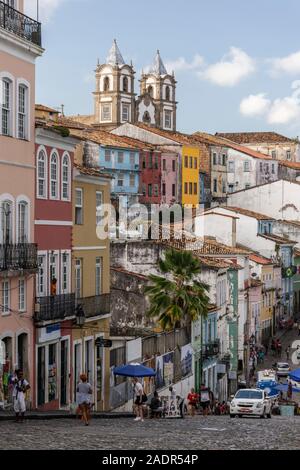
(53, 367)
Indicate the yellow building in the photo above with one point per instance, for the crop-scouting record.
(190, 175)
(91, 282)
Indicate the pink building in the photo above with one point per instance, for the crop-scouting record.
(20, 45)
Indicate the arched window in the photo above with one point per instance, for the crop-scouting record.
(106, 84)
(22, 222)
(6, 217)
(6, 106)
(54, 176)
(65, 191)
(146, 117)
(150, 91)
(168, 93)
(42, 175)
(125, 84)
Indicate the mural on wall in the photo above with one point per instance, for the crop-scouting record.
(186, 359)
(168, 361)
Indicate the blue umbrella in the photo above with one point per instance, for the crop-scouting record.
(284, 388)
(134, 370)
(295, 375)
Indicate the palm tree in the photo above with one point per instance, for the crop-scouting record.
(178, 296)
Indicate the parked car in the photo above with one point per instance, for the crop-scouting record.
(282, 369)
(251, 402)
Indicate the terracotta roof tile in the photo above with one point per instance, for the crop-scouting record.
(178, 137)
(254, 137)
(256, 258)
(248, 213)
(293, 165)
(110, 140)
(278, 239)
(41, 107)
(91, 171)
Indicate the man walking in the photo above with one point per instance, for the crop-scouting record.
(288, 349)
(20, 387)
(138, 399)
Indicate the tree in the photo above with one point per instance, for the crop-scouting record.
(178, 295)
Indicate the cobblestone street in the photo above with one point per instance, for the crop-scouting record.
(215, 432)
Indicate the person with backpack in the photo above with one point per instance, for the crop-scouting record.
(20, 387)
(139, 398)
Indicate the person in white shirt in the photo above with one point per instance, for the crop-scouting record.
(138, 393)
(20, 387)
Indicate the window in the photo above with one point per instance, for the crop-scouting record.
(168, 119)
(230, 188)
(120, 157)
(65, 178)
(120, 180)
(247, 185)
(195, 163)
(191, 162)
(164, 189)
(273, 154)
(215, 186)
(132, 180)
(54, 176)
(164, 164)
(185, 188)
(273, 169)
(98, 283)
(78, 278)
(99, 202)
(22, 295)
(195, 188)
(261, 167)
(105, 112)
(6, 125)
(156, 162)
(156, 190)
(22, 222)
(224, 159)
(146, 117)
(5, 307)
(173, 190)
(106, 85)
(107, 155)
(219, 160)
(144, 190)
(150, 161)
(150, 190)
(78, 206)
(288, 155)
(65, 273)
(214, 158)
(266, 167)
(22, 111)
(167, 93)
(190, 188)
(42, 175)
(246, 166)
(132, 158)
(173, 165)
(125, 84)
(144, 162)
(41, 281)
(6, 217)
(231, 167)
(186, 162)
(125, 112)
(223, 187)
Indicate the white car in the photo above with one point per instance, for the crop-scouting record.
(251, 402)
(282, 369)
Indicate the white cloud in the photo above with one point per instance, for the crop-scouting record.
(231, 69)
(254, 105)
(47, 8)
(181, 64)
(279, 111)
(289, 64)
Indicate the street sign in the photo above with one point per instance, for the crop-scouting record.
(105, 343)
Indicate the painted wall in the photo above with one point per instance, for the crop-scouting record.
(190, 175)
(125, 168)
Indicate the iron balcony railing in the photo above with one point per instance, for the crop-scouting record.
(95, 305)
(19, 24)
(211, 348)
(18, 257)
(55, 307)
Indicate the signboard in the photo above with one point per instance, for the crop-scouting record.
(49, 333)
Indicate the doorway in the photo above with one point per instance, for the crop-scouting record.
(63, 372)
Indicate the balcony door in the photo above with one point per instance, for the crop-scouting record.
(23, 353)
(6, 222)
(63, 372)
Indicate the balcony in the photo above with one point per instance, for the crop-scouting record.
(20, 25)
(56, 307)
(211, 348)
(95, 306)
(19, 257)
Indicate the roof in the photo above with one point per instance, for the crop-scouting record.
(91, 171)
(254, 137)
(293, 165)
(216, 140)
(213, 212)
(114, 56)
(110, 140)
(158, 67)
(218, 263)
(71, 123)
(131, 273)
(41, 107)
(248, 213)
(278, 239)
(256, 258)
(178, 137)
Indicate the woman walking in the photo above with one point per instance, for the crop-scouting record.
(84, 394)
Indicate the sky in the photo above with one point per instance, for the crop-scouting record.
(237, 62)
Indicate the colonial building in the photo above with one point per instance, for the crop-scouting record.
(20, 45)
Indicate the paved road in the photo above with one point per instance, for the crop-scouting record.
(213, 432)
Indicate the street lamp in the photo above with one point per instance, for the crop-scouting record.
(80, 316)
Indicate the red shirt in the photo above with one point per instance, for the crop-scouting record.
(193, 398)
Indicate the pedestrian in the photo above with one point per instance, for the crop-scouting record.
(205, 399)
(156, 406)
(290, 390)
(287, 351)
(299, 329)
(20, 387)
(180, 403)
(192, 401)
(138, 398)
(84, 394)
